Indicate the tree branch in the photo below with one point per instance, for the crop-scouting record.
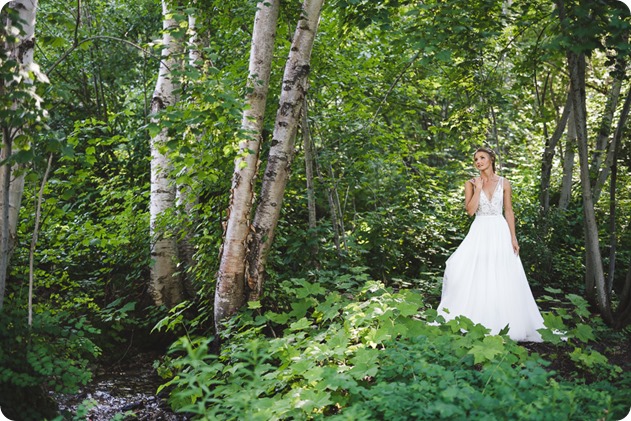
(96, 37)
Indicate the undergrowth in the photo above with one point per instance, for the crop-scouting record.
(348, 348)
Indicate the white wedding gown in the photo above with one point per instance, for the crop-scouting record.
(484, 279)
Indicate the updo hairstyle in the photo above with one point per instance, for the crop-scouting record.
(489, 152)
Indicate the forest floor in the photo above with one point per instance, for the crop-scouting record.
(615, 345)
(617, 352)
(125, 389)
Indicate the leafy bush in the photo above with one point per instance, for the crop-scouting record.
(574, 329)
(356, 350)
(51, 355)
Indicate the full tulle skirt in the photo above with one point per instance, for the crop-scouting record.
(485, 281)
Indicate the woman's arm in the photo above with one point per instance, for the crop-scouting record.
(472, 195)
(509, 214)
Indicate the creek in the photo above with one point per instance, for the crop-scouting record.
(121, 391)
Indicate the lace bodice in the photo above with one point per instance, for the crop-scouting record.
(496, 204)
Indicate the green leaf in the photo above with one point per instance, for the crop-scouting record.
(548, 335)
(583, 333)
(301, 324)
(487, 350)
(253, 305)
(365, 363)
(280, 318)
(554, 322)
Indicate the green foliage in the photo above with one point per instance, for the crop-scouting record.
(360, 351)
(400, 92)
(51, 355)
(573, 329)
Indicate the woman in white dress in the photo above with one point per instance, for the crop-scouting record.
(484, 278)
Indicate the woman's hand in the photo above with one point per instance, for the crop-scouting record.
(515, 246)
(477, 182)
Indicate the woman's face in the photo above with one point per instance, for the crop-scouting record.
(482, 160)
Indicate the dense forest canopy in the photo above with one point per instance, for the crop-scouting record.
(239, 184)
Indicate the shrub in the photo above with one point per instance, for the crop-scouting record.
(50, 355)
(366, 353)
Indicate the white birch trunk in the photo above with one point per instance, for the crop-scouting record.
(185, 198)
(164, 286)
(12, 180)
(282, 149)
(230, 290)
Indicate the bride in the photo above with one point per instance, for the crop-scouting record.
(484, 278)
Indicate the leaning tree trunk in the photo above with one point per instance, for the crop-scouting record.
(230, 292)
(20, 52)
(615, 143)
(602, 140)
(282, 149)
(548, 156)
(165, 286)
(595, 284)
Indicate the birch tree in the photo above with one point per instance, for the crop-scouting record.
(21, 107)
(230, 290)
(282, 149)
(164, 286)
(185, 197)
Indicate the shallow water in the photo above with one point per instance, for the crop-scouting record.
(121, 391)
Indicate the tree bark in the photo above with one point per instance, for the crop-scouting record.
(11, 179)
(186, 199)
(595, 287)
(613, 235)
(31, 259)
(5, 232)
(282, 149)
(611, 166)
(623, 311)
(309, 174)
(337, 207)
(165, 287)
(331, 194)
(230, 293)
(307, 146)
(568, 162)
(602, 141)
(548, 156)
(615, 143)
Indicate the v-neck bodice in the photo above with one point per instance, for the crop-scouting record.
(494, 205)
